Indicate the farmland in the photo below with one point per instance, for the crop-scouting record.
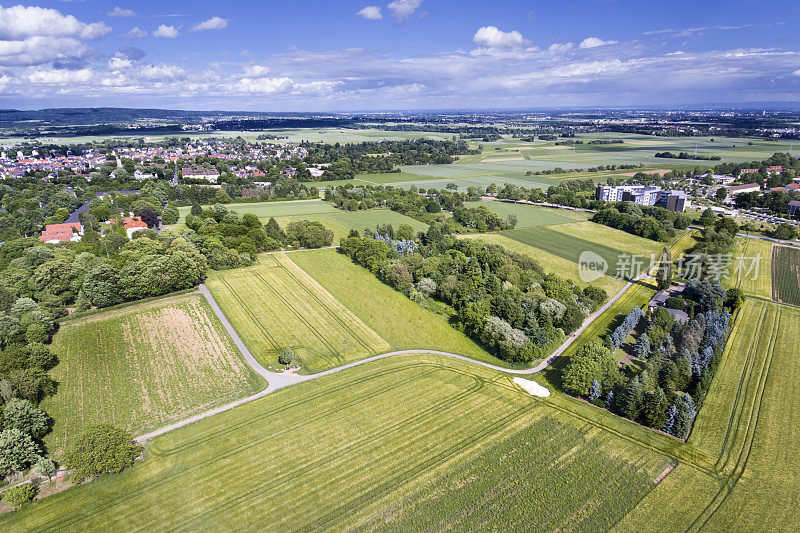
(786, 274)
(275, 305)
(265, 210)
(755, 281)
(531, 215)
(143, 366)
(398, 320)
(747, 430)
(440, 424)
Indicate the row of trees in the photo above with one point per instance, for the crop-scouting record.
(504, 301)
(650, 222)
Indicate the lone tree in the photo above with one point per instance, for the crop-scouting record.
(100, 449)
(149, 217)
(286, 356)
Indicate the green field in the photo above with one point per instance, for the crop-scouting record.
(398, 320)
(786, 274)
(747, 427)
(275, 305)
(265, 210)
(410, 440)
(341, 222)
(568, 241)
(143, 366)
(531, 215)
(550, 262)
(756, 282)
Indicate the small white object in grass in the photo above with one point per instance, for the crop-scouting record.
(533, 387)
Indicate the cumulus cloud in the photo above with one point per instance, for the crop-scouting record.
(265, 85)
(796, 72)
(168, 32)
(135, 33)
(492, 37)
(39, 50)
(19, 22)
(402, 9)
(121, 12)
(593, 42)
(371, 13)
(560, 48)
(59, 77)
(214, 23)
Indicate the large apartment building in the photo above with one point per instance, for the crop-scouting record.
(643, 195)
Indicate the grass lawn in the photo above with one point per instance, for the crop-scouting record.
(619, 240)
(265, 210)
(398, 320)
(144, 366)
(275, 305)
(550, 262)
(410, 442)
(341, 222)
(531, 215)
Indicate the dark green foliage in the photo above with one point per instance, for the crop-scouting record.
(24, 416)
(592, 362)
(20, 494)
(286, 357)
(17, 451)
(308, 234)
(101, 449)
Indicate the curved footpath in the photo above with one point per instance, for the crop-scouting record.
(279, 380)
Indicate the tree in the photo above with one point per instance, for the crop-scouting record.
(734, 299)
(642, 347)
(45, 467)
(592, 362)
(149, 217)
(196, 209)
(594, 392)
(721, 194)
(100, 449)
(170, 214)
(101, 286)
(630, 403)
(20, 495)
(785, 231)
(671, 417)
(286, 357)
(22, 415)
(17, 450)
(274, 231)
(653, 410)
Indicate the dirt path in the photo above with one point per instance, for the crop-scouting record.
(279, 380)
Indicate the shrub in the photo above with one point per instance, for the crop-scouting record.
(100, 449)
(286, 356)
(20, 495)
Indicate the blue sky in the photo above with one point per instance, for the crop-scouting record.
(397, 54)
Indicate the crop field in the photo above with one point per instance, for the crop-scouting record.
(144, 366)
(568, 241)
(786, 274)
(531, 215)
(380, 442)
(751, 269)
(341, 222)
(747, 429)
(275, 305)
(550, 262)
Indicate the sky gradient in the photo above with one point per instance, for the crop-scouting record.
(397, 55)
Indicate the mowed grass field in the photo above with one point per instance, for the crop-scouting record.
(414, 442)
(265, 210)
(747, 430)
(531, 215)
(569, 241)
(144, 366)
(786, 274)
(275, 305)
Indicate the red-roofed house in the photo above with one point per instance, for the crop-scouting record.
(132, 225)
(54, 233)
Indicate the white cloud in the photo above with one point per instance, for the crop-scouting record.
(796, 72)
(121, 12)
(371, 13)
(593, 42)
(168, 32)
(560, 48)
(265, 85)
(135, 33)
(20, 22)
(255, 71)
(402, 9)
(60, 77)
(38, 50)
(214, 23)
(162, 72)
(492, 37)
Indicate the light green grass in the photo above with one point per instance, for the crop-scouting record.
(758, 282)
(275, 305)
(398, 320)
(531, 215)
(348, 450)
(341, 222)
(550, 262)
(142, 367)
(265, 210)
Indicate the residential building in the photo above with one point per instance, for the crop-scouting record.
(67, 232)
(676, 201)
(794, 208)
(132, 225)
(640, 194)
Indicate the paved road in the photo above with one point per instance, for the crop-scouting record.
(279, 380)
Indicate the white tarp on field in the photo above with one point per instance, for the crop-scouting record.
(533, 387)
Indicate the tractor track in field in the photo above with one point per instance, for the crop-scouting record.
(277, 380)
